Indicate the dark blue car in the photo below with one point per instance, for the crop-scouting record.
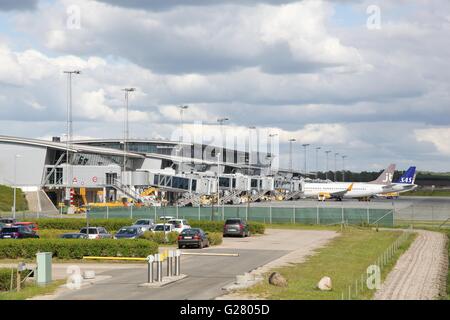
(128, 233)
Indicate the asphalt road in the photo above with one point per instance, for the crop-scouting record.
(207, 275)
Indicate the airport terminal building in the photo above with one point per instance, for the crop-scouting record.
(102, 171)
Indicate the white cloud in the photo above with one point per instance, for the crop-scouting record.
(439, 137)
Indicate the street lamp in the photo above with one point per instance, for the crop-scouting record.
(343, 167)
(290, 154)
(221, 121)
(218, 179)
(69, 126)
(271, 135)
(305, 145)
(249, 147)
(335, 166)
(182, 108)
(15, 185)
(326, 173)
(126, 130)
(317, 161)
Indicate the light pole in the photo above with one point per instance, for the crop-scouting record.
(69, 127)
(326, 173)
(182, 108)
(126, 129)
(290, 154)
(15, 185)
(335, 166)
(218, 179)
(271, 135)
(343, 167)
(317, 161)
(249, 141)
(305, 145)
(221, 121)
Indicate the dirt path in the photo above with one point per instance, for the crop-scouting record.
(420, 273)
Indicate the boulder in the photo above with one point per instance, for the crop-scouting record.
(325, 284)
(276, 279)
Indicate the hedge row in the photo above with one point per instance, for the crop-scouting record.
(78, 223)
(115, 224)
(76, 248)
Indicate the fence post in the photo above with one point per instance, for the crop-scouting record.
(155, 213)
(270, 214)
(223, 211)
(317, 215)
(107, 212)
(199, 213)
(177, 210)
(131, 211)
(293, 214)
(246, 212)
(368, 212)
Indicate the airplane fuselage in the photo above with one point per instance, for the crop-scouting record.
(358, 190)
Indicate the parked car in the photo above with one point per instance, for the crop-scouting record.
(17, 232)
(236, 227)
(144, 224)
(166, 218)
(161, 227)
(193, 237)
(179, 224)
(96, 233)
(74, 236)
(32, 225)
(1, 226)
(128, 233)
(8, 221)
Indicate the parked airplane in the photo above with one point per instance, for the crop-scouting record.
(341, 190)
(404, 183)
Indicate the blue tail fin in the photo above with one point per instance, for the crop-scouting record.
(408, 177)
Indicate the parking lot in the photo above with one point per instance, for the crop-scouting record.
(207, 275)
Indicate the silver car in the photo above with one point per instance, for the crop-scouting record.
(144, 224)
(96, 233)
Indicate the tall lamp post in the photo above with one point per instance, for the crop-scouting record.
(250, 149)
(126, 128)
(335, 166)
(290, 155)
(343, 167)
(271, 136)
(317, 161)
(15, 185)
(326, 173)
(182, 108)
(69, 128)
(305, 145)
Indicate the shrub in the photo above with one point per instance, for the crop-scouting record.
(215, 238)
(159, 238)
(76, 248)
(78, 223)
(257, 227)
(5, 278)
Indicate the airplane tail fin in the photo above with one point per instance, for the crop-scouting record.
(386, 176)
(408, 177)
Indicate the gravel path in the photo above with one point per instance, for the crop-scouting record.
(420, 273)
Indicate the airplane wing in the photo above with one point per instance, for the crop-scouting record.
(338, 194)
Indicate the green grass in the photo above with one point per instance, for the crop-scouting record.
(423, 193)
(31, 290)
(6, 199)
(344, 259)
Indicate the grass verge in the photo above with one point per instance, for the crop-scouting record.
(31, 290)
(344, 259)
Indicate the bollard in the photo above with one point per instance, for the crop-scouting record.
(177, 262)
(170, 264)
(158, 267)
(150, 260)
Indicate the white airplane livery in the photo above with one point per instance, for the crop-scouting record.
(341, 190)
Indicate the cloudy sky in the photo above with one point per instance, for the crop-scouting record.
(323, 72)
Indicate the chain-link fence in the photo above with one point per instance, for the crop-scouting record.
(385, 214)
